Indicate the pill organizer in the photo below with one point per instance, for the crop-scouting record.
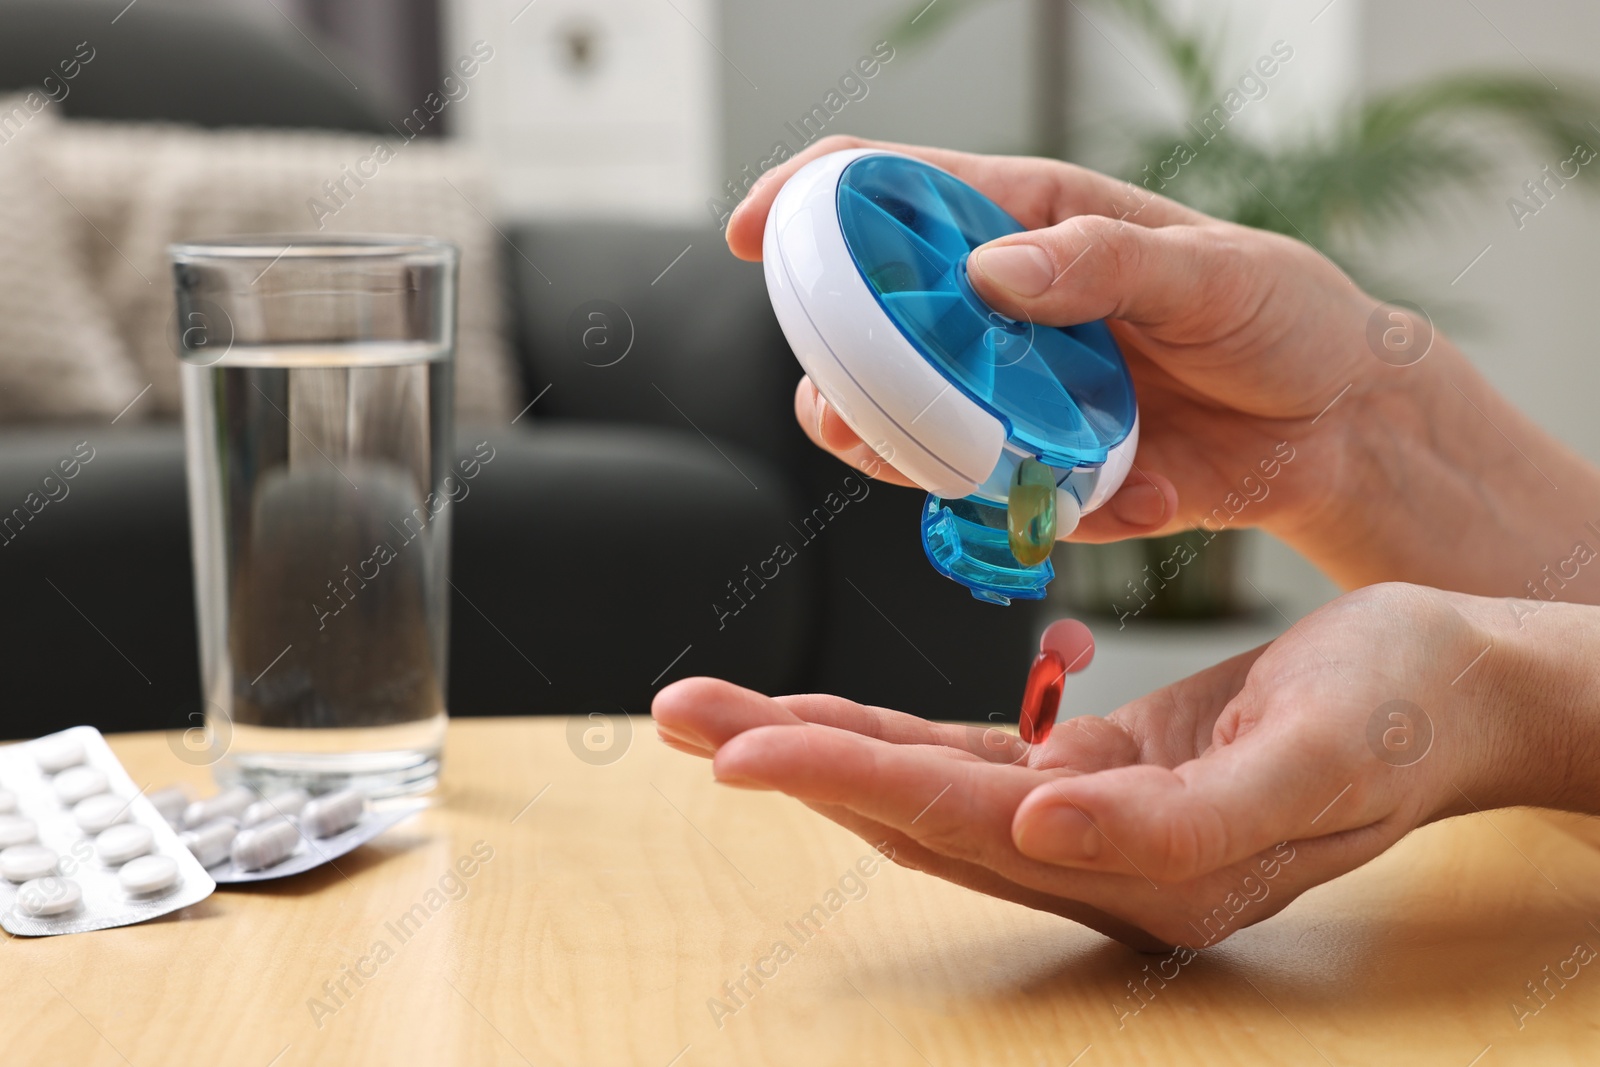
(81, 847)
(239, 836)
(865, 255)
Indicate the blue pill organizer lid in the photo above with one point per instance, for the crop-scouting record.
(1063, 394)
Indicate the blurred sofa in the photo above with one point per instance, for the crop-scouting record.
(617, 541)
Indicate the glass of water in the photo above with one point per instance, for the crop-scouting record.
(317, 377)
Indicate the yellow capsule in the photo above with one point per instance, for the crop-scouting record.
(1031, 513)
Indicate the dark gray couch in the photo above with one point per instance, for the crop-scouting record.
(594, 550)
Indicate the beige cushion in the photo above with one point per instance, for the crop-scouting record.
(145, 186)
(60, 355)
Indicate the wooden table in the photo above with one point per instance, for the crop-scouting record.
(620, 898)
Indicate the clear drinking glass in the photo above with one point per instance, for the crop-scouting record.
(317, 394)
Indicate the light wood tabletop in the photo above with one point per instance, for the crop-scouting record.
(613, 911)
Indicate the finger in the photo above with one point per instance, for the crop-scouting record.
(824, 773)
(1084, 745)
(704, 713)
(707, 713)
(1176, 824)
(1169, 726)
(832, 434)
(1177, 722)
(1204, 912)
(1198, 915)
(1144, 505)
(1189, 284)
(1036, 192)
(687, 745)
(822, 424)
(959, 807)
(909, 853)
(988, 743)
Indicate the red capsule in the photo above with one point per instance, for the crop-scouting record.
(1042, 697)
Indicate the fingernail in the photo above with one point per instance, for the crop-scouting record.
(756, 186)
(1059, 834)
(1023, 269)
(836, 433)
(738, 782)
(1140, 505)
(683, 737)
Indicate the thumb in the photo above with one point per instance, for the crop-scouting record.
(1172, 825)
(1185, 279)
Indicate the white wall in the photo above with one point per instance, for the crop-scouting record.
(966, 89)
(690, 93)
(633, 130)
(1534, 292)
(1118, 84)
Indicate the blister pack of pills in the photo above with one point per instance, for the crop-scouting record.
(81, 848)
(240, 836)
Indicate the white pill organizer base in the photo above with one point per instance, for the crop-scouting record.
(312, 852)
(105, 902)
